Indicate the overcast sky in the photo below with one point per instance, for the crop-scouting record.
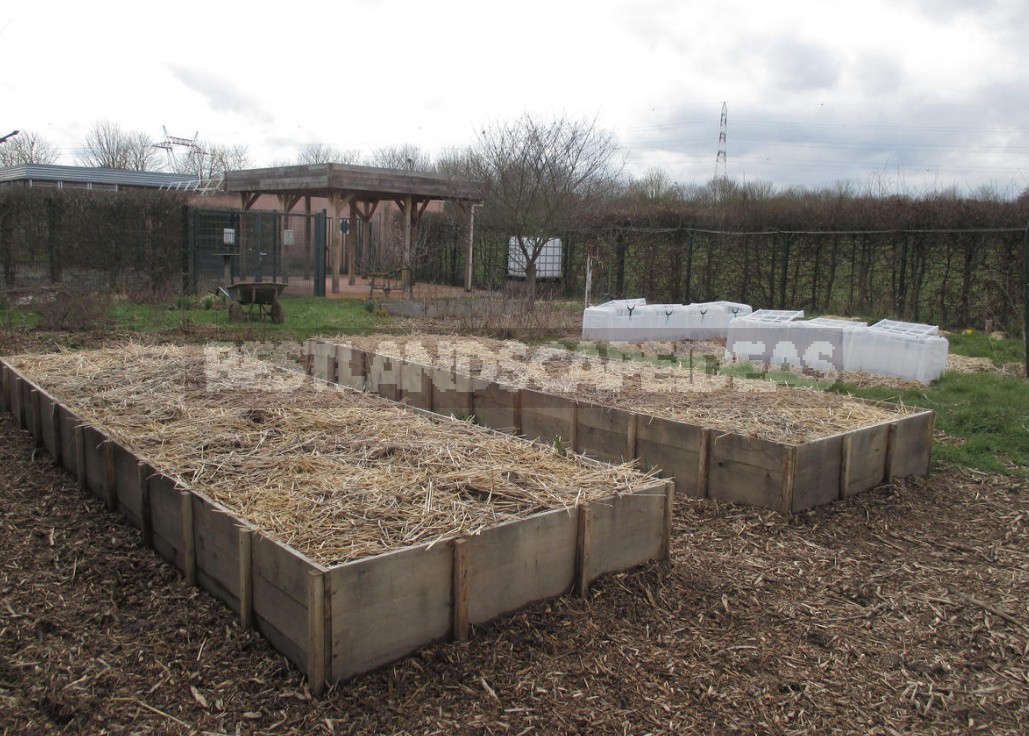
(907, 95)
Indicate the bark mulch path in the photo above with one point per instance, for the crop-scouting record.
(901, 611)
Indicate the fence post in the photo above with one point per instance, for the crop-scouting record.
(1025, 296)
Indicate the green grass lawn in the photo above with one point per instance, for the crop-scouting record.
(305, 317)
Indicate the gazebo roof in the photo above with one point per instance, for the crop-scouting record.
(363, 182)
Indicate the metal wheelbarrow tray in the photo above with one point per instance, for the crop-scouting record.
(255, 300)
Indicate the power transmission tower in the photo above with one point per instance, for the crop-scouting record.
(170, 142)
(720, 172)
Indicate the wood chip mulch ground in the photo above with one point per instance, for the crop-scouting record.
(904, 610)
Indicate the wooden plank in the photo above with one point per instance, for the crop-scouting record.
(17, 394)
(350, 365)
(316, 658)
(50, 425)
(784, 503)
(913, 448)
(110, 479)
(146, 516)
(166, 519)
(675, 448)
(519, 562)
(891, 452)
(546, 417)
(627, 530)
(451, 393)
(279, 577)
(33, 421)
(583, 540)
(602, 432)
(126, 480)
(69, 440)
(216, 549)
(845, 455)
(494, 405)
(323, 360)
(93, 441)
(867, 466)
(746, 470)
(817, 473)
(459, 590)
(416, 384)
(666, 540)
(384, 377)
(5, 386)
(189, 551)
(80, 456)
(246, 589)
(389, 605)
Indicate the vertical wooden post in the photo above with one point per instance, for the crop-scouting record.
(459, 590)
(575, 427)
(408, 280)
(352, 245)
(784, 503)
(110, 477)
(246, 580)
(929, 440)
(891, 452)
(189, 551)
(630, 436)
(333, 376)
(516, 406)
(80, 456)
(666, 542)
(55, 427)
(36, 410)
(704, 464)
(845, 455)
(5, 387)
(334, 241)
(583, 540)
(146, 522)
(316, 631)
(23, 408)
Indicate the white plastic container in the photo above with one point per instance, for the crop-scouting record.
(902, 349)
(633, 320)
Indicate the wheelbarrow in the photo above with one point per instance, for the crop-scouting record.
(254, 300)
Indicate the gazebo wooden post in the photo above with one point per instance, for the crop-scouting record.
(352, 245)
(308, 245)
(408, 209)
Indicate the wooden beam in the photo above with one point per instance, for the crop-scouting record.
(246, 579)
(316, 631)
(583, 540)
(460, 590)
(189, 550)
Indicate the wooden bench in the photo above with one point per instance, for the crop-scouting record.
(387, 281)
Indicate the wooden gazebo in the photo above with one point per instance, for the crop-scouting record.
(355, 192)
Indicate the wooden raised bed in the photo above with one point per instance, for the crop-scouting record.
(704, 462)
(337, 620)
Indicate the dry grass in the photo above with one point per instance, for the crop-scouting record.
(336, 474)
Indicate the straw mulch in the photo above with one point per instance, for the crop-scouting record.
(335, 474)
(754, 407)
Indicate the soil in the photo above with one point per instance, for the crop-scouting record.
(903, 610)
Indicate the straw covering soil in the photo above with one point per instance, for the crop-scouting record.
(731, 404)
(335, 474)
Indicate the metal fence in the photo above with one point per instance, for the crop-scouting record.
(229, 246)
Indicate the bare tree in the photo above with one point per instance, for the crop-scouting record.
(207, 161)
(108, 146)
(541, 176)
(28, 148)
(408, 157)
(318, 153)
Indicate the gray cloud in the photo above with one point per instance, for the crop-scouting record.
(221, 94)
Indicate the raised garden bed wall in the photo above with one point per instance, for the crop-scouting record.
(703, 462)
(337, 621)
